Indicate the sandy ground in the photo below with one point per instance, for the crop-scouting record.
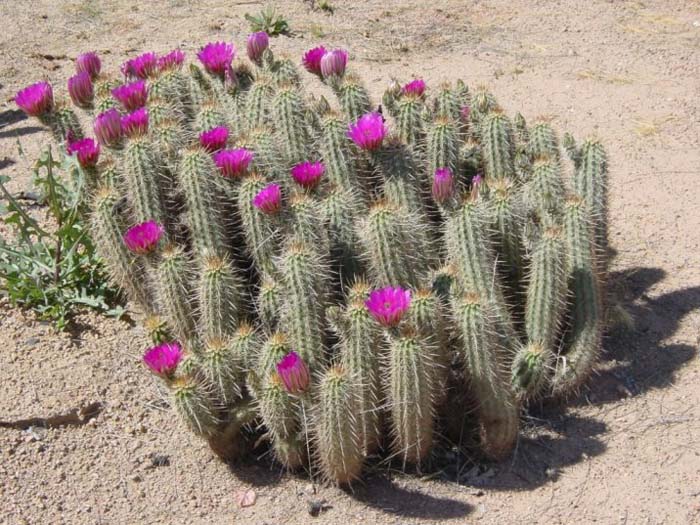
(626, 451)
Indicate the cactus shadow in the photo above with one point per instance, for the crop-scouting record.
(13, 116)
(641, 359)
(383, 493)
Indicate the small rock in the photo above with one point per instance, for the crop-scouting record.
(246, 498)
(317, 506)
(159, 460)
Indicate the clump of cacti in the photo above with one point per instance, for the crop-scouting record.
(334, 277)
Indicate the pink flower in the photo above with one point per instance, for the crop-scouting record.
(143, 238)
(135, 123)
(233, 162)
(87, 150)
(388, 305)
(257, 44)
(269, 199)
(464, 112)
(164, 358)
(35, 100)
(368, 131)
(132, 96)
(294, 373)
(88, 63)
(141, 67)
(214, 139)
(477, 180)
(172, 60)
(415, 88)
(312, 59)
(80, 90)
(108, 128)
(217, 57)
(308, 174)
(333, 63)
(443, 184)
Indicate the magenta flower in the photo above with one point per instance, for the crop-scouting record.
(464, 112)
(308, 174)
(143, 238)
(87, 151)
(108, 128)
(368, 131)
(214, 139)
(164, 358)
(312, 59)
(132, 96)
(88, 63)
(257, 44)
(333, 63)
(415, 88)
(477, 180)
(388, 305)
(233, 162)
(35, 100)
(141, 67)
(217, 57)
(172, 60)
(80, 90)
(294, 373)
(269, 199)
(443, 184)
(135, 123)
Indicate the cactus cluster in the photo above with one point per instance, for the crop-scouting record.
(338, 276)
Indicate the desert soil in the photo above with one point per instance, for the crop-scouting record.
(627, 450)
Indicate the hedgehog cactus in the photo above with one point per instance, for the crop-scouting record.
(329, 272)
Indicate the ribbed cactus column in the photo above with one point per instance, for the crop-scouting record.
(412, 395)
(507, 215)
(194, 406)
(142, 177)
(220, 296)
(353, 97)
(583, 340)
(260, 232)
(257, 103)
(442, 145)
(222, 369)
(397, 165)
(304, 277)
(209, 116)
(107, 228)
(544, 307)
(342, 210)
(175, 291)
(337, 156)
(545, 190)
(591, 183)
(498, 145)
(410, 119)
(288, 114)
(447, 103)
(392, 242)
(470, 250)
(485, 368)
(337, 427)
(542, 141)
(269, 302)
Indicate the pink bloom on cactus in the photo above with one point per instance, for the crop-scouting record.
(233, 162)
(80, 89)
(269, 199)
(108, 128)
(35, 100)
(88, 63)
(414, 88)
(333, 63)
(214, 139)
(132, 96)
(368, 131)
(312, 59)
(141, 67)
(217, 57)
(143, 238)
(443, 184)
(308, 174)
(464, 112)
(294, 373)
(163, 358)
(87, 151)
(477, 180)
(388, 305)
(257, 44)
(172, 60)
(135, 123)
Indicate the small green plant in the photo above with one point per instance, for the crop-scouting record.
(268, 20)
(54, 272)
